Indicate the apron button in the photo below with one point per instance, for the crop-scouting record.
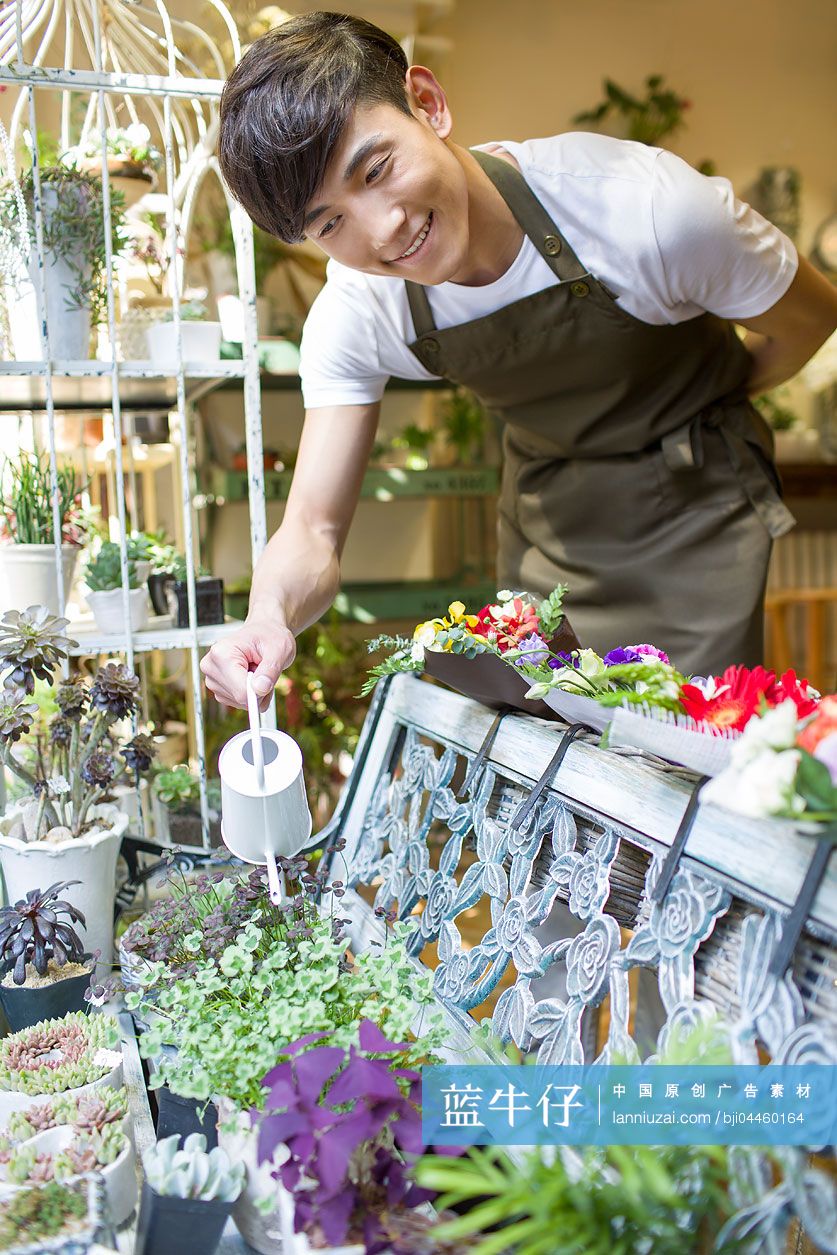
(552, 245)
(431, 346)
(580, 289)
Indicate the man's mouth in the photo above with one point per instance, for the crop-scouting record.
(418, 241)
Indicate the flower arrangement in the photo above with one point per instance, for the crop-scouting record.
(32, 931)
(516, 628)
(784, 764)
(636, 675)
(351, 1122)
(56, 1055)
(82, 759)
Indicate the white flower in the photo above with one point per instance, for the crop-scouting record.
(417, 652)
(764, 785)
(774, 730)
(59, 786)
(590, 664)
(137, 135)
(424, 636)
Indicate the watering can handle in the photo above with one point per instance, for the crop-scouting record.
(255, 731)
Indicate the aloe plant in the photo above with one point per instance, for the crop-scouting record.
(192, 1172)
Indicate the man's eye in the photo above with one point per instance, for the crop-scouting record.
(328, 228)
(376, 171)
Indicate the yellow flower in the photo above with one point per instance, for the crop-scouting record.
(426, 632)
(456, 610)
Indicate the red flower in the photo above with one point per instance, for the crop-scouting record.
(738, 696)
(788, 687)
(507, 624)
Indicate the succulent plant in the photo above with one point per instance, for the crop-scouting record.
(192, 1172)
(40, 1213)
(99, 769)
(58, 1055)
(139, 753)
(115, 691)
(177, 788)
(16, 717)
(87, 1152)
(90, 1113)
(32, 645)
(32, 931)
(104, 573)
(71, 698)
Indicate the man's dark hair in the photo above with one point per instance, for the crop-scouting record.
(286, 105)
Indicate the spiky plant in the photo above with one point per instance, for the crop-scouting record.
(32, 931)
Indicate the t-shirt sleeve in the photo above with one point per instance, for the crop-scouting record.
(716, 251)
(339, 359)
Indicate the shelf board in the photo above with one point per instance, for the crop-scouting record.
(160, 634)
(379, 483)
(89, 385)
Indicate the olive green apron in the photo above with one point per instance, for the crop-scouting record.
(635, 469)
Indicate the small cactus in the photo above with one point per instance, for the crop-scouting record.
(192, 1172)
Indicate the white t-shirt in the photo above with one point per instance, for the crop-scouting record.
(668, 242)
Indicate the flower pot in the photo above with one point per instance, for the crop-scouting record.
(87, 1234)
(12, 1100)
(172, 1226)
(200, 342)
(69, 329)
(487, 679)
(24, 1007)
(158, 582)
(108, 609)
(263, 1230)
(119, 1177)
(209, 601)
(90, 859)
(183, 1116)
(27, 576)
(231, 315)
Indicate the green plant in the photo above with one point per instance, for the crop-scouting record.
(659, 113)
(192, 1172)
(463, 424)
(104, 572)
(416, 441)
(88, 1113)
(42, 1212)
(772, 409)
(178, 788)
(190, 311)
(27, 502)
(129, 143)
(56, 1055)
(32, 931)
(73, 228)
(79, 766)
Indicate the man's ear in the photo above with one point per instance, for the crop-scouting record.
(427, 100)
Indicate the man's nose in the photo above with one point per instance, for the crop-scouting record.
(387, 227)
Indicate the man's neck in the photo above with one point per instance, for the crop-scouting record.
(495, 235)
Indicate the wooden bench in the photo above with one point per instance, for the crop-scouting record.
(583, 861)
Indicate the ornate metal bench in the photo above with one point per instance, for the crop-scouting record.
(566, 890)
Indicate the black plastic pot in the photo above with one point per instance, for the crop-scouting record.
(24, 1007)
(209, 595)
(158, 582)
(173, 1226)
(182, 1115)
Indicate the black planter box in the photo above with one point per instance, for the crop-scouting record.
(182, 1115)
(209, 596)
(24, 1007)
(174, 1226)
(158, 582)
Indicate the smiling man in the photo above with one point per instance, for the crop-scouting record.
(584, 288)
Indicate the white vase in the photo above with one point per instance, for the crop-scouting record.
(120, 1177)
(263, 1231)
(27, 576)
(109, 612)
(200, 342)
(90, 859)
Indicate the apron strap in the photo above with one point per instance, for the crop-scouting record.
(535, 222)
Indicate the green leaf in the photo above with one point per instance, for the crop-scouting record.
(813, 782)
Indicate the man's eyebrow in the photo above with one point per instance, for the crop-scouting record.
(357, 159)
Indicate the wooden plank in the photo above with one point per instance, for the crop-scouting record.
(765, 860)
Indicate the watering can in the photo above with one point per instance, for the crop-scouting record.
(264, 809)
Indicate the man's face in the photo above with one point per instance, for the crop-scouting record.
(394, 200)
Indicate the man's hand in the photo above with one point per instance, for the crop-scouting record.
(260, 645)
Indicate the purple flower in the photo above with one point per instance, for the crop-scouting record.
(563, 659)
(650, 651)
(619, 656)
(533, 651)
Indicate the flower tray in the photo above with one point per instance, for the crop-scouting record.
(487, 679)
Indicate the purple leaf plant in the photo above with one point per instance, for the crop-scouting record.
(351, 1124)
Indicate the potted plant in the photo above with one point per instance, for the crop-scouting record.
(209, 596)
(82, 1135)
(27, 552)
(200, 338)
(62, 828)
(74, 260)
(53, 1218)
(104, 582)
(187, 1197)
(47, 969)
(164, 559)
(132, 159)
(463, 425)
(73, 1055)
(176, 802)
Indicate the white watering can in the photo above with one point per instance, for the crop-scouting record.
(264, 809)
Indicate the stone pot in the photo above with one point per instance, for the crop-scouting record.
(263, 1231)
(120, 1177)
(109, 612)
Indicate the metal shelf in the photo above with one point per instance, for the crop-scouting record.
(89, 385)
(379, 483)
(160, 634)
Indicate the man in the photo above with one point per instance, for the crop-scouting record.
(583, 287)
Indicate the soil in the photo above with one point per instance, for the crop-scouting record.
(54, 973)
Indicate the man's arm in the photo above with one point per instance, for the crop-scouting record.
(298, 576)
(783, 339)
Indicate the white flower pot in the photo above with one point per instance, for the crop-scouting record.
(90, 859)
(12, 1100)
(69, 329)
(108, 609)
(263, 1231)
(200, 342)
(120, 1177)
(231, 314)
(27, 576)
